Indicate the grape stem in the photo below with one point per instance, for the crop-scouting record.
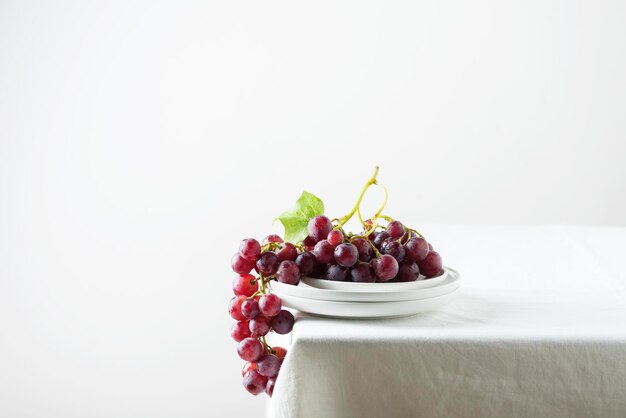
(390, 219)
(357, 206)
(262, 283)
(265, 344)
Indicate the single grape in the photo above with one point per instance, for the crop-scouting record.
(283, 322)
(287, 252)
(408, 272)
(394, 249)
(346, 255)
(247, 367)
(270, 305)
(267, 263)
(362, 273)
(268, 366)
(279, 352)
(269, 386)
(241, 265)
(364, 248)
(306, 263)
(416, 249)
(319, 270)
(250, 249)
(319, 227)
(336, 273)
(431, 266)
(309, 243)
(245, 285)
(395, 229)
(380, 238)
(259, 326)
(288, 272)
(385, 267)
(272, 238)
(240, 330)
(335, 237)
(234, 308)
(250, 349)
(324, 252)
(254, 382)
(250, 308)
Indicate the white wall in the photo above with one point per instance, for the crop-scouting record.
(139, 141)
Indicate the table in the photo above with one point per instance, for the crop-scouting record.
(538, 330)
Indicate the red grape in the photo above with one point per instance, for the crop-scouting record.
(324, 252)
(319, 227)
(309, 243)
(394, 249)
(270, 305)
(385, 267)
(380, 238)
(287, 252)
(408, 272)
(336, 273)
(319, 270)
(431, 266)
(269, 386)
(268, 366)
(364, 248)
(395, 229)
(240, 330)
(259, 326)
(250, 249)
(346, 254)
(279, 352)
(267, 263)
(417, 249)
(272, 238)
(306, 263)
(245, 285)
(362, 273)
(247, 367)
(250, 308)
(234, 308)
(283, 322)
(250, 349)
(254, 382)
(241, 265)
(335, 237)
(288, 272)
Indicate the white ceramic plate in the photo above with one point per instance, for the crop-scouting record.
(366, 309)
(450, 283)
(421, 283)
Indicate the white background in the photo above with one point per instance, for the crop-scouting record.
(140, 141)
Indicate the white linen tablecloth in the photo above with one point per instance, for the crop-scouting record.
(537, 330)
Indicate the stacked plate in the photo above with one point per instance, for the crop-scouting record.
(369, 300)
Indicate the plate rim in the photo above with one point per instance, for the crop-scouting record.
(363, 287)
(406, 308)
(349, 296)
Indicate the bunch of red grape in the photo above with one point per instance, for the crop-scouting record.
(257, 311)
(389, 253)
(392, 253)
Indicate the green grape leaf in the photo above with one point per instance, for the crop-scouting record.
(296, 219)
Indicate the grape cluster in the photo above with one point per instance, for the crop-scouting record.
(380, 254)
(259, 312)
